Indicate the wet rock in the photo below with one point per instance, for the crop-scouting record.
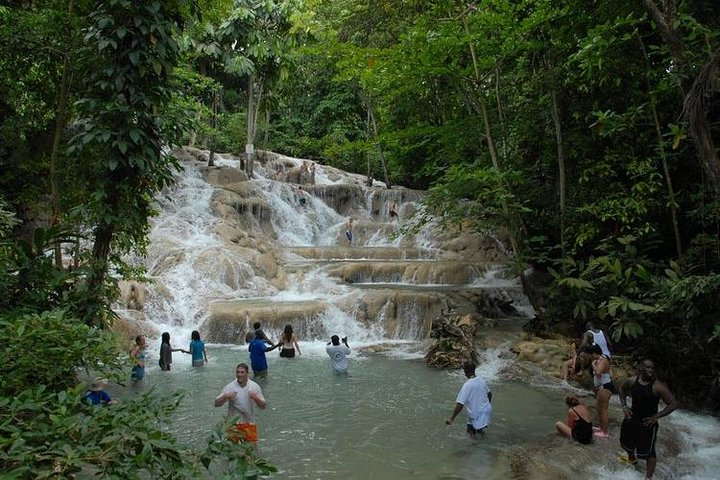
(131, 324)
(549, 354)
(220, 176)
(132, 294)
(453, 341)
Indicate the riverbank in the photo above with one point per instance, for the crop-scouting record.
(687, 443)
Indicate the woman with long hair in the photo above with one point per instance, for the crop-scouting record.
(289, 342)
(166, 352)
(197, 350)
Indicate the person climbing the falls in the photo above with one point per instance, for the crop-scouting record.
(595, 336)
(392, 212)
(302, 200)
(138, 355)
(166, 352)
(289, 343)
(260, 333)
(475, 397)
(349, 232)
(197, 350)
(242, 396)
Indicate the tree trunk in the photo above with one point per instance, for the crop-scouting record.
(380, 148)
(561, 166)
(514, 223)
(663, 157)
(193, 133)
(698, 104)
(266, 136)
(501, 114)
(367, 153)
(481, 103)
(249, 146)
(60, 123)
(667, 27)
(213, 124)
(668, 179)
(91, 312)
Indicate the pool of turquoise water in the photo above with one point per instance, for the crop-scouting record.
(386, 419)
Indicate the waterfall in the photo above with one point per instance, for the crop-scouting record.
(223, 255)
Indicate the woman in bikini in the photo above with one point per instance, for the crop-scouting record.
(579, 421)
(289, 343)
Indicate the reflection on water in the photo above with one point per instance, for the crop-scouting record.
(384, 420)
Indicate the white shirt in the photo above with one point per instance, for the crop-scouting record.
(338, 357)
(242, 405)
(600, 340)
(474, 396)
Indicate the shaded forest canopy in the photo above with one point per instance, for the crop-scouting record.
(586, 131)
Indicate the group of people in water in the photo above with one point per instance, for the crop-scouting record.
(242, 394)
(138, 353)
(638, 432)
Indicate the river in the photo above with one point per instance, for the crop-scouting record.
(386, 419)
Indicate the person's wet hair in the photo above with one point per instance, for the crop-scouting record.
(572, 401)
(165, 337)
(195, 335)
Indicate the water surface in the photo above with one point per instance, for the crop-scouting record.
(386, 419)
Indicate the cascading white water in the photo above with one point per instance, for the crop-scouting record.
(319, 426)
(191, 267)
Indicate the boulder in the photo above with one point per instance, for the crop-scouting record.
(453, 341)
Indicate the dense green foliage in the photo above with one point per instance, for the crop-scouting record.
(89, 97)
(47, 431)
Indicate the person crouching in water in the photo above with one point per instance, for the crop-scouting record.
(579, 421)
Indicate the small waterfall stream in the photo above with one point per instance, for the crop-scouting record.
(221, 258)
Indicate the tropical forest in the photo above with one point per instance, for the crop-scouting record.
(582, 135)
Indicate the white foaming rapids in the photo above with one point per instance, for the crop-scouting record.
(191, 267)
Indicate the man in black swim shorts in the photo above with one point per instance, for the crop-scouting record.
(639, 428)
